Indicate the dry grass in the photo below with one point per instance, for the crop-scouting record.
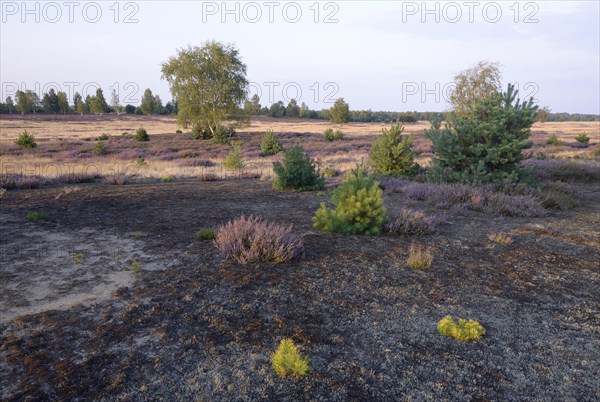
(500, 238)
(419, 257)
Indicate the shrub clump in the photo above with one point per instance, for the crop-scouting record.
(563, 170)
(167, 179)
(583, 139)
(206, 234)
(251, 239)
(298, 172)
(358, 208)
(485, 144)
(410, 222)
(235, 158)
(328, 135)
(463, 331)
(103, 137)
(141, 135)
(392, 153)
(26, 140)
(554, 141)
(287, 361)
(99, 148)
(419, 257)
(500, 238)
(34, 216)
(223, 135)
(270, 144)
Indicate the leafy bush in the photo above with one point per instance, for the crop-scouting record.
(485, 144)
(554, 141)
(419, 257)
(500, 238)
(26, 140)
(392, 154)
(410, 222)
(235, 158)
(270, 144)
(287, 361)
(463, 331)
(99, 148)
(328, 135)
(249, 240)
(206, 234)
(223, 135)
(167, 179)
(358, 208)
(297, 172)
(34, 216)
(103, 137)
(582, 138)
(141, 135)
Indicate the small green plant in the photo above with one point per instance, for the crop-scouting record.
(270, 144)
(298, 172)
(141, 161)
(358, 208)
(554, 140)
(223, 135)
(287, 361)
(103, 137)
(206, 234)
(338, 135)
(235, 158)
(178, 131)
(99, 148)
(419, 257)
(141, 135)
(136, 266)
(139, 235)
(463, 331)
(330, 171)
(34, 216)
(328, 135)
(26, 140)
(167, 179)
(78, 258)
(582, 138)
(500, 238)
(392, 154)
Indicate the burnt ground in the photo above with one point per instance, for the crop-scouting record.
(189, 326)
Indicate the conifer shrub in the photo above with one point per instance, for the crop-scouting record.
(249, 239)
(99, 148)
(235, 158)
(26, 140)
(328, 135)
(141, 135)
(103, 137)
(270, 144)
(298, 172)
(554, 141)
(583, 139)
(392, 154)
(287, 361)
(338, 135)
(463, 330)
(358, 207)
(223, 135)
(485, 144)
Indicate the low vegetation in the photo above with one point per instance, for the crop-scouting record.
(206, 234)
(500, 238)
(554, 141)
(250, 239)
(419, 257)
(270, 144)
(235, 158)
(288, 362)
(463, 330)
(392, 153)
(34, 216)
(410, 222)
(298, 172)
(141, 135)
(26, 140)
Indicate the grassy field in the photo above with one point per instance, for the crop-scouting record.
(106, 294)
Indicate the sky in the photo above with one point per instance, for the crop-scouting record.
(379, 55)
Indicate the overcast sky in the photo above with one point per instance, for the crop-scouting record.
(380, 55)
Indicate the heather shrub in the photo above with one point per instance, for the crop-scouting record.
(223, 135)
(26, 140)
(328, 135)
(358, 207)
(563, 170)
(270, 144)
(485, 144)
(251, 239)
(419, 257)
(99, 148)
(235, 158)
(392, 153)
(463, 330)
(557, 195)
(287, 361)
(141, 135)
(297, 172)
(206, 234)
(34, 216)
(500, 238)
(554, 141)
(20, 181)
(410, 222)
(583, 139)
(116, 179)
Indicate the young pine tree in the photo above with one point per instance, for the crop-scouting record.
(392, 154)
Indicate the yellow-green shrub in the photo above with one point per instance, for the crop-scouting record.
(287, 361)
(463, 331)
